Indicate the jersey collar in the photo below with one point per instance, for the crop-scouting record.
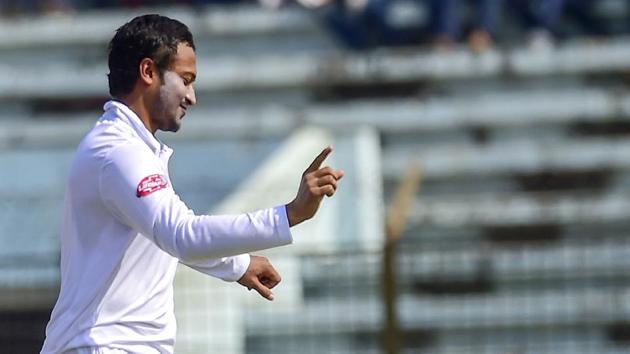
(124, 113)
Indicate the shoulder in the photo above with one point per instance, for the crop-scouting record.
(112, 139)
(111, 142)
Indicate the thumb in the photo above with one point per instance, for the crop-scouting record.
(262, 289)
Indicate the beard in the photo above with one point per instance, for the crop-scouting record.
(174, 126)
(167, 113)
(166, 118)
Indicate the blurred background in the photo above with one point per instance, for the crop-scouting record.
(486, 203)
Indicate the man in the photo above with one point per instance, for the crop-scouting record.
(125, 229)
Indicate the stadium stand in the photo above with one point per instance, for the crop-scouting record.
(517, 241)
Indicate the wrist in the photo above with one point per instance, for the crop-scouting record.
(292, 215)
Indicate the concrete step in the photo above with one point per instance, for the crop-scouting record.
(519, 156)
(519, 209)
(304, 69)
(558, 308)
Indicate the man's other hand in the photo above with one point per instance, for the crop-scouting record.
(315, 184)
(261, 276)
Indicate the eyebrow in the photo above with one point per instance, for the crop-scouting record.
(190, 75)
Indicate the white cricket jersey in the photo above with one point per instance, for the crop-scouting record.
(123, 233)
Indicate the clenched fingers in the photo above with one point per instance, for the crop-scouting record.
(270, 277)
(338, 174)
(269, 282)
(263, 290)
(322, 181)
(265, 282)
(261, 276)
(326, 190)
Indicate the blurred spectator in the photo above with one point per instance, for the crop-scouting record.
(583, 14)
(446, 22)
(540, 18)
(548, 20)
(147, 3)
(35, 6)
(359, 24)
(363, 24)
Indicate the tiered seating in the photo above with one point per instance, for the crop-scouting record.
(518, 239)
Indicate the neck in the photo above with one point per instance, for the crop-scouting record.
(138, 105)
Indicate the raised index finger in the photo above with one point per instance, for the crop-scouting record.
(319, 159)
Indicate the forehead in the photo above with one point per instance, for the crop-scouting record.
(185, 60)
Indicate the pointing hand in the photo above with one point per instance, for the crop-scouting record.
(315, 184)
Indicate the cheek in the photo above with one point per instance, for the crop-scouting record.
(173, 91)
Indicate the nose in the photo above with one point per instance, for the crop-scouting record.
(191, 99)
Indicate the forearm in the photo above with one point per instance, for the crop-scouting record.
(226, 268)
(191, 238)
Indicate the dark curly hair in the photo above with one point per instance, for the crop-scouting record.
(147, 36)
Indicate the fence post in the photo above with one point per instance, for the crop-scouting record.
(395, 222)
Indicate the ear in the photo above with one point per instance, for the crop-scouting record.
(147, 71)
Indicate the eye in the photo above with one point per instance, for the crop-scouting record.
(187, 78)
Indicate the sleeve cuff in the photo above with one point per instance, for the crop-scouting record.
(241, 263)
(282, 225)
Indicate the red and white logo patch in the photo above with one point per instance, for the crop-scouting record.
(150, 184)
